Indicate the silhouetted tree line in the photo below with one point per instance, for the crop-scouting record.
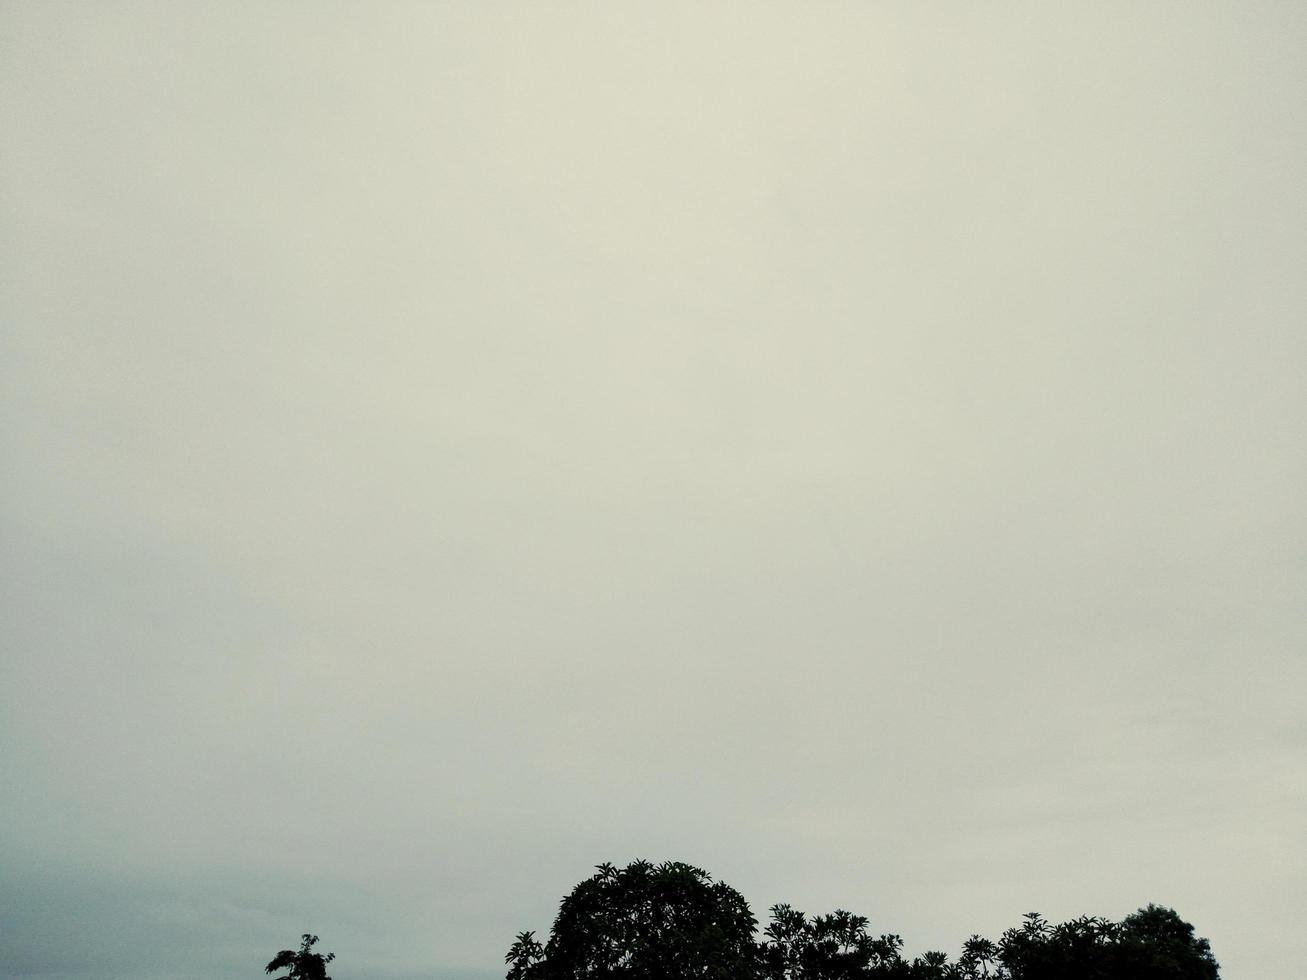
(671, 921)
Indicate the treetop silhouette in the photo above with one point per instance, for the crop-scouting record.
(301, 964)
(643, 921)
(671, 921)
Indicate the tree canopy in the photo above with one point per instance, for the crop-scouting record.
(671, 921)
(644, 922)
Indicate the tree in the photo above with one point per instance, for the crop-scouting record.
(836, 946)
(673, 922)
(644, 922)
(1156, 942)
(932, 966)
(1151, 944)
(301, 964)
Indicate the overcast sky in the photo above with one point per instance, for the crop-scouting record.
(855, 448)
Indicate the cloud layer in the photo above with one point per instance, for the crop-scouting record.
(855, 450)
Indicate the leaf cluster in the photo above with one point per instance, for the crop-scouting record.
(301, 964)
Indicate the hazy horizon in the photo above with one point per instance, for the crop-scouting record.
(855, 449)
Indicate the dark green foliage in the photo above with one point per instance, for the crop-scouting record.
(1155, 942)
(932, 966)
(302, 964)
(1152, 944)
(672, 922)
(644, 922)
(827, 947)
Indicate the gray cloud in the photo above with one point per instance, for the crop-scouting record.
(858, 451)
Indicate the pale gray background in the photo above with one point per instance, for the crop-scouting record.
(857, 448)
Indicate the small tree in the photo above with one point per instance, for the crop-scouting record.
(301, 964)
